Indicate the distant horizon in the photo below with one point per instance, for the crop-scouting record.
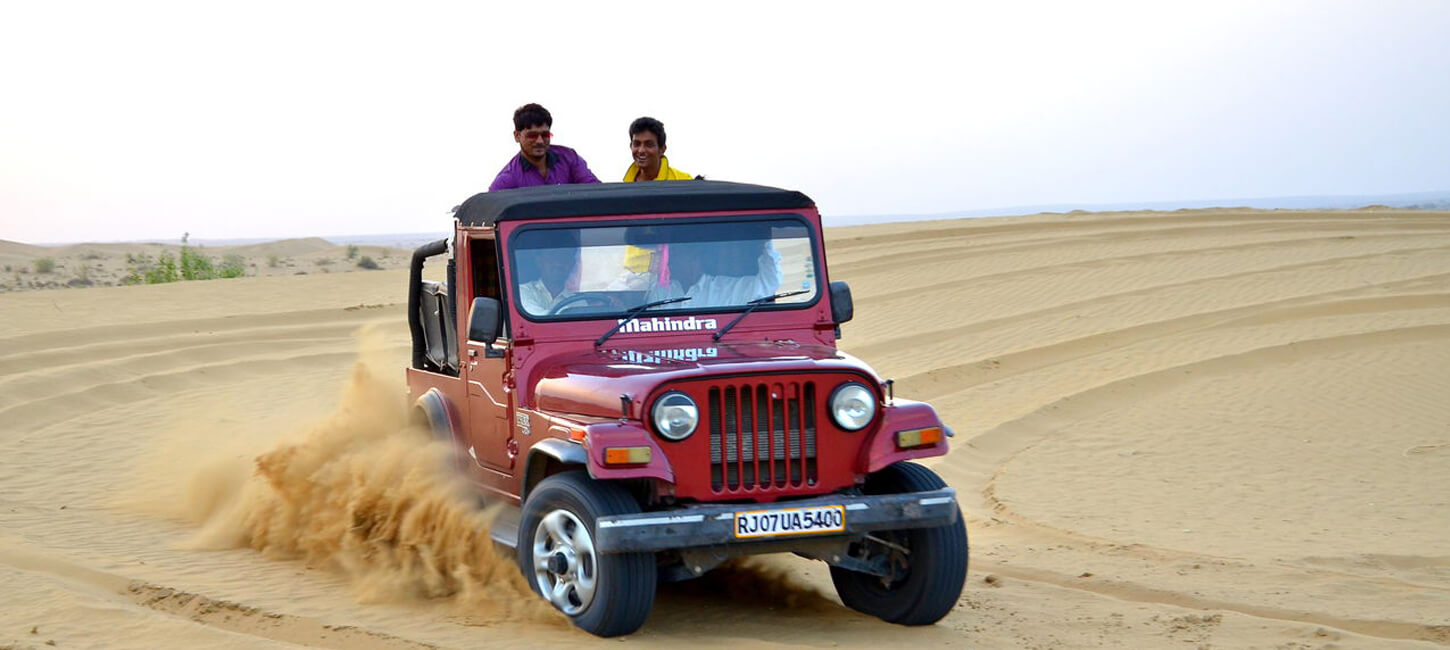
(1434, 200)
(876, 111)
(1427, 200)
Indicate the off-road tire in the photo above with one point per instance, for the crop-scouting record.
(624, 583)
(935, 572)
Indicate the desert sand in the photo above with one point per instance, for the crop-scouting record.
(1196, 429)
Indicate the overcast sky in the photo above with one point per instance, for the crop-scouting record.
(131, 120)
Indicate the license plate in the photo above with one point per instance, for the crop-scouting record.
(791, 521)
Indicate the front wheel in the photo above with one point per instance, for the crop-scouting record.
(927, 566)
(605, 595)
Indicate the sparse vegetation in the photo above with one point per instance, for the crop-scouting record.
(136, 266)
(145, 270)
(232, 266)
(165, 270)
(86, 265)
(195, 266)
(192, 265)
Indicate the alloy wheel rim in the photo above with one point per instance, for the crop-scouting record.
(565, 563)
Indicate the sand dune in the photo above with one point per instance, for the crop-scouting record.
(16, 248)
(286, 247)
(1206, 428)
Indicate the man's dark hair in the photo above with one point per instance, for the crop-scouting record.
(531, 115)
(648, 124)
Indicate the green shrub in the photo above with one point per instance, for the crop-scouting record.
(163, 271)
(191, 265)
(45, 265)
(136, 266)
(232, 266)
(195, 266)
(272, 261)
(352, 251)
(367, 263)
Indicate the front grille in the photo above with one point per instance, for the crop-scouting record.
(762, 436)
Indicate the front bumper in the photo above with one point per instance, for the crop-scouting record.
(713, 525)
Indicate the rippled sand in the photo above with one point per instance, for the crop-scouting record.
(1204, 428)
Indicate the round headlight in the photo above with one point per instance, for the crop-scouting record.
(852, 406)
(676, 415)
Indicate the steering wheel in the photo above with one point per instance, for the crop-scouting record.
(597, 297)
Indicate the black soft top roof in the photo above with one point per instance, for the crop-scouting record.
(558, 201)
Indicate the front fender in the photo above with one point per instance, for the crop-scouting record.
(564, 452)
(625, 434)
(901, 415)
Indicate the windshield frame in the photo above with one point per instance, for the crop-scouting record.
(683, 309)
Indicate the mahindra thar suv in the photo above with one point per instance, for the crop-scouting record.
(646, 374)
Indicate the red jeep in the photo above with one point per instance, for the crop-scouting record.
(649, 374)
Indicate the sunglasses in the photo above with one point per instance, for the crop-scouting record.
(536, 135)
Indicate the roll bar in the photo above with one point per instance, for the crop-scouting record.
(415, 281)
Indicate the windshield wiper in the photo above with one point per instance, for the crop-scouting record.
(755, 304)
(634, 313)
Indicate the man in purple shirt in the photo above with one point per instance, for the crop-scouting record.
(539, 162)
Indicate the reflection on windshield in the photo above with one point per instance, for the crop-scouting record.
(607, 270)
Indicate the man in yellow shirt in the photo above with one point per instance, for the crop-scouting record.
(647, 146)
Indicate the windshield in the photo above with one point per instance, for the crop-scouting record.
(584, 271)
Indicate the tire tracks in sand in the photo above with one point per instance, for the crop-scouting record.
(1359, 309)
(203, 610)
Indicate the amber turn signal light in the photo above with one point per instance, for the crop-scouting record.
(626, 455)
(918, 437)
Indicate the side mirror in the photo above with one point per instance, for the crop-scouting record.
(841, 307)
(484, 320)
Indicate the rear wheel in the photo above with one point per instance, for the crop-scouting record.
(606, 595)
(927, 566)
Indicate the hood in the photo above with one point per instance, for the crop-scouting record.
(591, 382)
